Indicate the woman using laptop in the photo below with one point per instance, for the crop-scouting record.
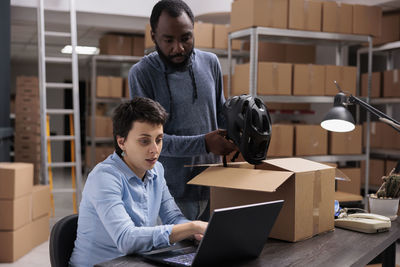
(124, 194)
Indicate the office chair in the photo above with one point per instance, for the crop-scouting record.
(62, 238)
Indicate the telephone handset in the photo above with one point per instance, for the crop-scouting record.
(364, 222)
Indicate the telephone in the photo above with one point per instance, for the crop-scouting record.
(364, 222)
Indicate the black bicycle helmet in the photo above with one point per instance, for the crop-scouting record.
(248, 126)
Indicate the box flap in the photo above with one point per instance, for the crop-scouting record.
(340, 176)
(237, 178)
(297, 164)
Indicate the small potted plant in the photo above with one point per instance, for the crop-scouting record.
(386, 200)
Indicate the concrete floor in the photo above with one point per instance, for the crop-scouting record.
(39, 256)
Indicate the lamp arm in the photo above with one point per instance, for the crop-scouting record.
(395, 124)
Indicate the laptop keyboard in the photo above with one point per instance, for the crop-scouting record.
(184, 259)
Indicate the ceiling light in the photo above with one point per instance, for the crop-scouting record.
(81, 50)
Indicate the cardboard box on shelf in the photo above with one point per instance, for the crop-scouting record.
(354, 185)
(15, 213)
(382, 136)
(305, 15)
(346, 143)
(272, 79)
(376, 171)
(16, 179)
(391, 83)
(346, 76)
(126, 93)
(109, 86)
(288, 106)
(367, 20)
(269, 52)
(375, 84)
(113, 44)
(40, 201)
(137, 46)
(337, 17)
(262, 13)
(15, 244)
(300, 54)
(301, 183)
(148, 41)
(308, 79)
(310, 140)
(40, 230)
(390, 165)
(282, 138)
(390, 29)
(103, 126)
(101, 153)
(220, 38)
(203, 33)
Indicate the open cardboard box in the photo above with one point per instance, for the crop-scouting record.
(307, 187)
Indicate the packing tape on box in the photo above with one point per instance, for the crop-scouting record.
(275, 77)
(305, 14)
(338, 18)
(270, 12)
(316, 201)
(395, 76)
(310, 77)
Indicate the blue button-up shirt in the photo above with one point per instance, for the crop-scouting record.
(118, 213)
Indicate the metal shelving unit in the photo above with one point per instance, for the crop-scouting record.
(337, 40)
(386, 50)
(94, 62)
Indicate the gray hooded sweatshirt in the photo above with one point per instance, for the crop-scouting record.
(193, 98)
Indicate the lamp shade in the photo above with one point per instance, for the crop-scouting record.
(338, 119)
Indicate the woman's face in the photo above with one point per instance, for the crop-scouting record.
(142, 146)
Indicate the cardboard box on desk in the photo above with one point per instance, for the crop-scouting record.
(262, 13)
(307, 187)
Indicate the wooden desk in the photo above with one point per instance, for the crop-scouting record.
(337, 248)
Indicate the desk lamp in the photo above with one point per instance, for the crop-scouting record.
(339, 119)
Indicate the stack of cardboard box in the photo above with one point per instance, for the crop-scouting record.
(27, 123)
(24, 211)
(308, 15)
(123, 45)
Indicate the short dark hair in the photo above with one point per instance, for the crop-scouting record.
(138, 109)
(174, 8)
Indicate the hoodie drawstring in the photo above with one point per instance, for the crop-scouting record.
(193, 83)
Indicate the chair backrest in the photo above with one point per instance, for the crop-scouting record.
(62, 238)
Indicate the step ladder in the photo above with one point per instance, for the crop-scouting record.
(45, 113)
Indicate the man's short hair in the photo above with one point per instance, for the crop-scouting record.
(174, 8)
(138, 109)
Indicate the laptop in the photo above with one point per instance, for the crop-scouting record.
(232, 234)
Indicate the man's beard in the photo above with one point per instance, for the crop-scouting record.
(168, 59)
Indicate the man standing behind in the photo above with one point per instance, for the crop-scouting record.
(188, 83)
